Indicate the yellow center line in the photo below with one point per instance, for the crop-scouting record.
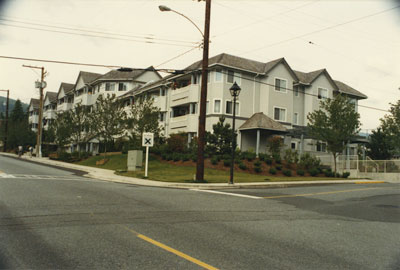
(317, 193)
(169, 249)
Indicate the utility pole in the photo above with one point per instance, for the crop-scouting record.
(6, 127)
(42, 85)
(203, 97)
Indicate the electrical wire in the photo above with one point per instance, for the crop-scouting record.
(146, 37)
(179, 55)
(96, 36)
(322, 29)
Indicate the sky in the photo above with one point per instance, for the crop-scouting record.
(357, 41)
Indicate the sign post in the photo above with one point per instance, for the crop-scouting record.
(147, 141)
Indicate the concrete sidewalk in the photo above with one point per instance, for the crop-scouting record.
(109, 175)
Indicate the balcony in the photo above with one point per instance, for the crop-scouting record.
(187, 94)
(50, 114)
(34, 119)
(64, 107)
(184, 123)
(159, 102)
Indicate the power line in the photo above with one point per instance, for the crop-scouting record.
(146, 37)
(179, 55)
(187, 71)
(96, 36)
(322, 29)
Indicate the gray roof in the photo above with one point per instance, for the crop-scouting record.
(116, 75)
(344, 88)
(52, 96)
(88, 77)
(261, 121)
(237, 62)
(35, 103)
(68, 87)
(308, 77)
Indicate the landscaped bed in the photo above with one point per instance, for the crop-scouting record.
(184, 171)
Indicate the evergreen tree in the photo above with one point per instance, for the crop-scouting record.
(219, 142)
(19, 132)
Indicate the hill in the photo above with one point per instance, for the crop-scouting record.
(3, 101)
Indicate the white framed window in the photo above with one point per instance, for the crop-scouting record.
(233, 77)
(280, 114)
(218, 75)
(229, 107)
(321, 147)
(280, 85)
(296, 118)
(217, 106)
(121, 86)
(322, 93)
(110, 86)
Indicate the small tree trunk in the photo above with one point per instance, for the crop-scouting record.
(105, 150)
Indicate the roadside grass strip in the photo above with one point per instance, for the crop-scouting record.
(227, 193)
(171, 250)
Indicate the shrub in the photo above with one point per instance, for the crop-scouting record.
(214, 160)
(329, 173)
(257, 169)
(64, 156)
(257, 163)
(272, 171)
(169, 157)
(279, 167)
(308, 162)
(338, 175)
(177, 143)
(193, 157)
(164, 156)
(262, 156)
(227, 162)
(313, 172)
(268, 160)
(345, 174)
(300, 172)
(274, 145)
(277, 159)
(287, 172)
(250, 156)
(185, 157)
(242, 166)
(176, 157)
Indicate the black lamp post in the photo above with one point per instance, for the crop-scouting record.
(235, 91)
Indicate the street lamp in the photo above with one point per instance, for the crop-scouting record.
(203, 94)
(235, 91)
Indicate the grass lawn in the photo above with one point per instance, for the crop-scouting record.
(166, 172)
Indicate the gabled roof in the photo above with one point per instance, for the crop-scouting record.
(52, 96)
(87, 77)
(309, 77)
(344, 88)
(245, 64)
(116, 75)
(35, 103)
(68, 87)
(261, 121)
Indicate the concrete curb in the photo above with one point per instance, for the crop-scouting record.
(110, 176)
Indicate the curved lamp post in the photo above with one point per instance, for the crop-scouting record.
(203, 94)
(235, 91)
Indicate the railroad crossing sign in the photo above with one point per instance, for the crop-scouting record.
(148, 139)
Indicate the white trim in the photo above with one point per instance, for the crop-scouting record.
(227, 193)
(237, 75)
(322, 88)
(283, 90)
(273, 113)
(237, 113)
(221, 107)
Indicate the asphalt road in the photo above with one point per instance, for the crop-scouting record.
(51, 218)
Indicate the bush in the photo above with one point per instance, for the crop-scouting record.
(257, 169)
(268, 160)
(64, 156)
(300, 172)
(193, 157)
(176, 157)
(214, 160)
(169, 157)
(329, 173)
(308, 162)
(313, 172)
(272, 171)
(257, 163)
(227, 162)
(177, 143)
(262, 156)
(250, 156)
(338, 175)
(274, 145)
(291, 156)
(279, 167)
(345, 174)
(242, 166)
(277, 159)
(185, 157)
(287, 172)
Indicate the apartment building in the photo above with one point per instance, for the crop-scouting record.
(65, 97)
(274, 100)
(49, 109)
(33, 110)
